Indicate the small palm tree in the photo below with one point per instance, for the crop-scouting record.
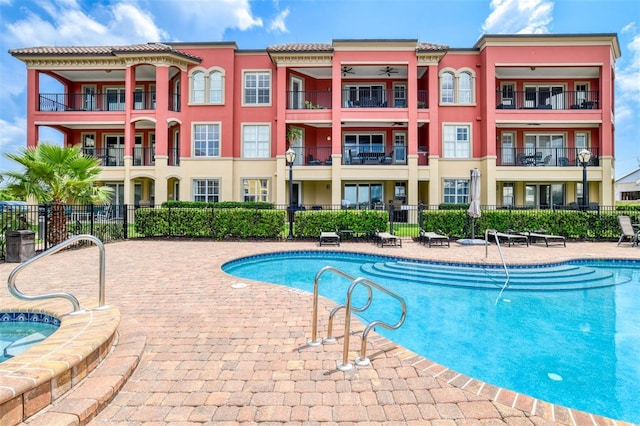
(56, 175)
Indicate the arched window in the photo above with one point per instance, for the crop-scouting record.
(215, 87)
(197, 87)
(465, 91)
(446, 88)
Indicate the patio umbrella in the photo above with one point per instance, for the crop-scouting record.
(474, 195)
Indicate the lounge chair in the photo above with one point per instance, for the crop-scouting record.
(433, 238)
(387, 238)
(329, 238)
(542, 235)
(627, 230)
(512, 238)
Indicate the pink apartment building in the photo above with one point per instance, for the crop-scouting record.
(380, 120)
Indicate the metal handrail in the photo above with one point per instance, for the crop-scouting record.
(71, 298)
(362, 360)
(486, 254)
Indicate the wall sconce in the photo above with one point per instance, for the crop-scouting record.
(329, 138)
(533, 68)
(328, 186)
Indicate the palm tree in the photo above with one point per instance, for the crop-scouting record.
(56, 175)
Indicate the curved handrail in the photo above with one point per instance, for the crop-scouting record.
(71, 298)
(363, 360)
(334, 311)
(486, 254)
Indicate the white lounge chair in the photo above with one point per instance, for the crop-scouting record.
(329, 238)
(433, 238)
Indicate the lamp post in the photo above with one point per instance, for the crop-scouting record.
(290, 157)
(584, 156)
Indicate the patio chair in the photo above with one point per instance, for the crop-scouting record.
(387, 238)
(512, 237)
(433, 238)
(313, 161)
(329, 238)
(541, 234)
(627, 230)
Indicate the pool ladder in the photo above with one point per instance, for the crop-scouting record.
(504, 263)
(70, 297)
(362, 360)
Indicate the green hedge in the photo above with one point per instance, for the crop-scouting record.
(220, 205)
(309, 223)
(573, 224)
(212, 223)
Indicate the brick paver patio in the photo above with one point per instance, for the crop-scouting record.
(216, 354)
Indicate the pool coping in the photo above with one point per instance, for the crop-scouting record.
(55, 374)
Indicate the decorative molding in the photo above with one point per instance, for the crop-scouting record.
(429, 59)
(298, 59)
(112, 63)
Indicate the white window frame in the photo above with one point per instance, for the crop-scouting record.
(250, 192)
(204, 95)
(399, 147)
(466, 95)
(447, 94)
(245, 90)
(296, 92)
(508, 194)
(256, 148)
(399, 95)
(455, 94)
(556, 93)
(508, 93)
(460, 194)
(581, 95)
(508, 145)
(459, 149)
(212, 189)
(88, 143)
(210, 152)
(354, 91)
(121, 96)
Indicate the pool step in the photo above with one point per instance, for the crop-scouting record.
(551, 278)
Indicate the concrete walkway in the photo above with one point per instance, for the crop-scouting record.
(216, 354)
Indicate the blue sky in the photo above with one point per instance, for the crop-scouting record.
(259, 23)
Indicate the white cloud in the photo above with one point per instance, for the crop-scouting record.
(12, 138)
(278, 23)
(211, 18)
(519, 17)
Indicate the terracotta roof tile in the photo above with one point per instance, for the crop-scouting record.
(431, 46)
(101, 50)
(301, 47)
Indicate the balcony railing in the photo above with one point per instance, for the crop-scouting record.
(312, 155)
(374, 155)
(548, 99)
(174, 157)
(144, 156)
(544, 157)
(309, 99)
(378, 98)
(102, 102)
(109, 157)
(144, 100)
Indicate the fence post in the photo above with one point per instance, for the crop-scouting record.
(420, 213)
(391, 214)
(125, 221)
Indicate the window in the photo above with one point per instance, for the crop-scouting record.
(362, 196)
(582, 90)
(465, 91)
(365, 95)
(544, 97)
(544, 195)
(215, 87)
(508, 148)
(207, 190)
(546, 147)
(456, 191)
(400, 96)
(89, 144)
(399, 147)
(456, 141)
(507, 94)
(457, 87)
(197, 87)
(207, 87)
(446, 88)
(256, 141)
(257, 88)
(507, 194)
(255, 189)
(206, 140)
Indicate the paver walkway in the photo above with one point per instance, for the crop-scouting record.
(222, 355)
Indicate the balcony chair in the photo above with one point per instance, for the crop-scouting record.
(627, 230)
(313, 162)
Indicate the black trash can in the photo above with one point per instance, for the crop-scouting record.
(21, 245)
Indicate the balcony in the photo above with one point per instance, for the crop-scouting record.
(544, 157)
(144, 156)
(554, 100)
(109, 157)
(309, 99)
(379, 98)
(312, 155)
(141, 101)
(374, 155)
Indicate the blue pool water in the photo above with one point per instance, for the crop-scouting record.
(567, 333)
(19, 331)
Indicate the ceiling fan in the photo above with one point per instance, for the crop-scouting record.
(347, 70)
(388, 71)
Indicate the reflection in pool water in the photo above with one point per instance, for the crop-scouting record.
(566, 333)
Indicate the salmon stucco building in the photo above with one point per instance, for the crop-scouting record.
(378, 121)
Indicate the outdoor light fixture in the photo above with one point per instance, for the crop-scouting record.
(290, 157)
(584, 156)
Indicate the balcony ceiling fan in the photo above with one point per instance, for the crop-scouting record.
(388, 71)
(347, 70)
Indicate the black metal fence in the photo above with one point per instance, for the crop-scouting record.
(114, 223)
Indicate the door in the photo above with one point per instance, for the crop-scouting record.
(115, 98)
(297, 145)
(508, 157)
(399, 148)
(115, 150)
(137, 151)
(296, 93)
(89, 98)
(117, 201)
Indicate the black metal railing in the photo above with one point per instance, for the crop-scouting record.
(174, 102)
(144, 156)
(313, 156)
(144, 100)
(548, 99)
(309, 99)
(356, 97)
(109, 157)
(374, 154)
(544, 157)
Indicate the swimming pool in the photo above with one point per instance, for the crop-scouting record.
(567, 333)
(20, 330)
